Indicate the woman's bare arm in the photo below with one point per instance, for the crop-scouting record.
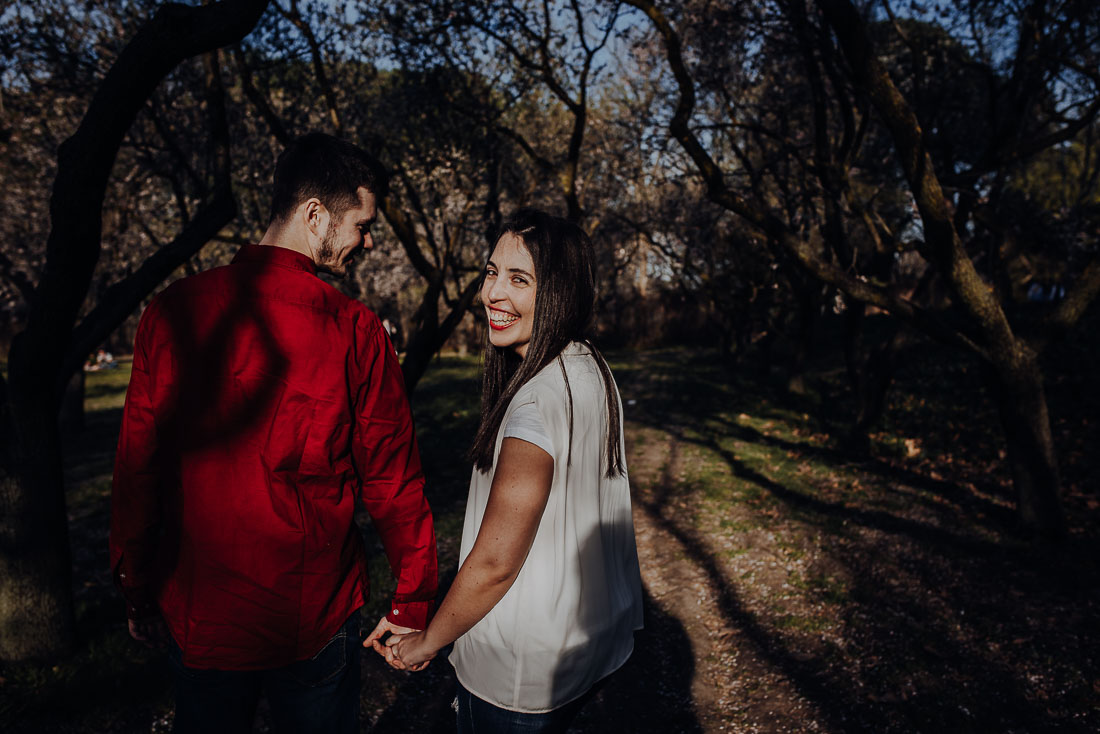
(517, 498)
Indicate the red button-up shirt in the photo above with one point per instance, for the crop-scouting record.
(263, 402)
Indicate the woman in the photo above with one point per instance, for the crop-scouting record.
(548, 593)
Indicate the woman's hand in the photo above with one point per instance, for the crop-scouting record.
(409, 652)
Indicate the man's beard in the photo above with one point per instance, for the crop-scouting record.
(326, 255)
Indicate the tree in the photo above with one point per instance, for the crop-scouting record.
(544, 54)
(445, 195)
(36, 613)
(843, 70)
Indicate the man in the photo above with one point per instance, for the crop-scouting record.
(262, 403)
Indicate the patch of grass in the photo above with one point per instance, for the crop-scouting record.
(736, 526)
(106, 389)
(803, 623)
(792, 551)
(827, 588)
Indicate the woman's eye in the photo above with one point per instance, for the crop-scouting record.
(519, 281)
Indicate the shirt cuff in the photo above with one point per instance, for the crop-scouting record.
(412, 614)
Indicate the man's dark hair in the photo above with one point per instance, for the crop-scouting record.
(328, 168)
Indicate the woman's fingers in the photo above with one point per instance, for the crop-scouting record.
(399, 645)
(392, 656)
(394, 661)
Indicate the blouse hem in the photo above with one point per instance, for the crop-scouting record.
(568, 701)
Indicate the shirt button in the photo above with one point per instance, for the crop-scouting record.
(396, 612)
(122, 575)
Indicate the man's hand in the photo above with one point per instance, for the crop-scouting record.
(409, 652)
(149, 631)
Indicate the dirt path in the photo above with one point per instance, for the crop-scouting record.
(733, 688)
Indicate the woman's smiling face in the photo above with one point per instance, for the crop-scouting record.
(508, 294)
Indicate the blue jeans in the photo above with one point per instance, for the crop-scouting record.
(318, 695)
(477, 716)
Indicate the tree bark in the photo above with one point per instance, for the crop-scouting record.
(71, 419)
(871, 377)
(37, 618)
(1032, 462)
(807, 318)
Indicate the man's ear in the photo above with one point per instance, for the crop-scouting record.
(314, 216)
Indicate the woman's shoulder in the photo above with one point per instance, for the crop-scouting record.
(584, 379)
(581, 365)
(578, 361)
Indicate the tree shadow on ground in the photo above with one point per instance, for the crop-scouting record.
(946, 627)
(652, 691)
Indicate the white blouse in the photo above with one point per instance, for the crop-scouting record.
(526, 423)
(569, 618)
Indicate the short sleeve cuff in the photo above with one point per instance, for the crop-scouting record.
(413, 614)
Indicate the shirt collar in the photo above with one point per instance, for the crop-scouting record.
(275, 255)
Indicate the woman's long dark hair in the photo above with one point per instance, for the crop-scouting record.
(565, 297)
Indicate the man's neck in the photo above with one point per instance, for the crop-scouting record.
(286, 237)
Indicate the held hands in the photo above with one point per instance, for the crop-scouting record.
(409, 652)
(404, 649)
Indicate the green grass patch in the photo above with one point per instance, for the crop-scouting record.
(803, 623)
(106, 389)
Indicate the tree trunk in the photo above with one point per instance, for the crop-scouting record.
(809, 313)
(418, 355)
(71, 420)
(1022, 404)
(870, 374)
(431, 334)
(36, 599)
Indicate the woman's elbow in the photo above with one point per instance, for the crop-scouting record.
(497, 572)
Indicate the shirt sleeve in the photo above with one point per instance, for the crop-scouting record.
(135, 496)
(392, 482)
(525, 423)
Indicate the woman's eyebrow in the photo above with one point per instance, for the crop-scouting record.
(521, 271)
